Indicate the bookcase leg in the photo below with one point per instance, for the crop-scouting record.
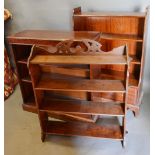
(136, 112)
(123, 143)
(43, 136)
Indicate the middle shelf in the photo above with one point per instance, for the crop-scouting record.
(48, 82)
(82, 107)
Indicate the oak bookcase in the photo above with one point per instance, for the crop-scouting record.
(118, 28)
(45, 80)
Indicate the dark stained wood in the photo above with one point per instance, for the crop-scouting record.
(29, 105)
(77, 10)
(82, 107)
(84, 129)
(135, 60)
(48, 83)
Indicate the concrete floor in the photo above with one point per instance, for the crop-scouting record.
(22, 135)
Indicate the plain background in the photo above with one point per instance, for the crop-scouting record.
(57, 15)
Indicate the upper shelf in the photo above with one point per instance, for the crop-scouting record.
(79, 59)
(121, 37)
(46, 37)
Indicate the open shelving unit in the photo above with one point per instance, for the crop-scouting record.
(119, 28)
(45, 81)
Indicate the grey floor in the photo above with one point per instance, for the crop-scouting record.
(22, 135)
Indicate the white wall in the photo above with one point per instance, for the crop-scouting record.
(57, 15)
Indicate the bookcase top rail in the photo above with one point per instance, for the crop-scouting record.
(101, 13)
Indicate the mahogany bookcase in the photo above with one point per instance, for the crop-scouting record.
(119, 28)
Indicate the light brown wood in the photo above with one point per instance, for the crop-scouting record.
(107, 59)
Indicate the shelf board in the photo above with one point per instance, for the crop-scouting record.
(117, 75)
(30, 105)
(135, 60)
(47, 82)
(46, 37)
(26, 79)
(79, 59)
(126, 37)
(82, 107)
(84, 129)
(22, 61)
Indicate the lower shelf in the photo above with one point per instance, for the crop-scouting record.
(30, 107)
(84, 129)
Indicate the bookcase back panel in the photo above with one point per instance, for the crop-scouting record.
(21, 52)
(67, 72)
(114, 25)
(134, 48)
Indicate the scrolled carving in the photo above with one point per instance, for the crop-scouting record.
(85, 46)
(92, 46)
(64, 47)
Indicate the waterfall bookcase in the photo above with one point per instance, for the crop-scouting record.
(42, 63)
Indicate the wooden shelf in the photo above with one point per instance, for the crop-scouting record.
(135, 60)
(26, 79)
(48, 83)
(118, 75)
(30, 105)
(80, 59)
(84, 129)
(126, 37)
(46, 37)
(82, 107)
